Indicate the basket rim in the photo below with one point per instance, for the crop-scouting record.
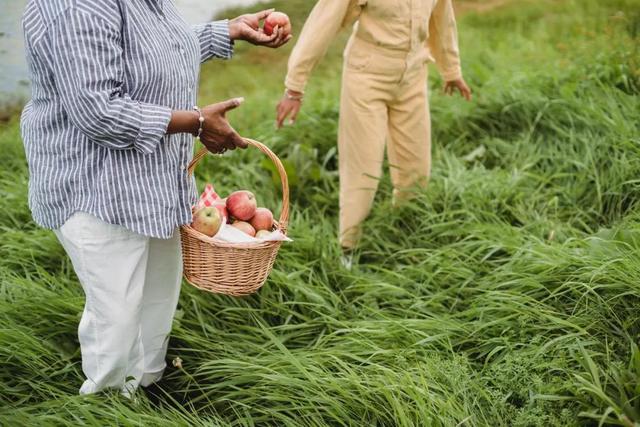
(217, 243)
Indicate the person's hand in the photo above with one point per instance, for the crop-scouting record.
(459, 84)
(247, 28)
(288, 105)
(217, 134)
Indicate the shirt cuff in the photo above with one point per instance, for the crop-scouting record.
(153, 127)
(221, 43)
(449, 75)
(293, 85)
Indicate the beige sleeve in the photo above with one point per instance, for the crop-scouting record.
(327, 18)
(443, 40)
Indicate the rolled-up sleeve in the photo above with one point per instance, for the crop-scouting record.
(214, 40)
(87, 64)
(443, 40)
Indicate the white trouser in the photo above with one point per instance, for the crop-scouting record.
(131, 283)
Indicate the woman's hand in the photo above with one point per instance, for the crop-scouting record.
(217, 134)
(289, 105)
(459, 84)
(247, 28)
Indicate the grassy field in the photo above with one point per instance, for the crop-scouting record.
(506, 295)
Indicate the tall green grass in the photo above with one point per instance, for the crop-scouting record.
(508, 294)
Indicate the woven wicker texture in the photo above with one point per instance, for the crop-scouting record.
(234, 269)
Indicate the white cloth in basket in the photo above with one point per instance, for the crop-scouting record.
(230, 234)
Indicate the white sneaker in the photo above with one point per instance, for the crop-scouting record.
(347, 261)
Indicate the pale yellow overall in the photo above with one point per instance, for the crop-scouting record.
(384, 92)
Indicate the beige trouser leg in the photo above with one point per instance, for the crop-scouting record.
(361, 139)
(375, 105)
(409, 146)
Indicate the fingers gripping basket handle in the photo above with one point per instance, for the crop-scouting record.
(284, 214)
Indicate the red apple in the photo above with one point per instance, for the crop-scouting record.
(262, 234)
(262, 219)
(245, 227)
(277, 19)
(207, 221)
(242, 205)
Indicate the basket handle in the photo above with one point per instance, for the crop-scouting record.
(284, 214)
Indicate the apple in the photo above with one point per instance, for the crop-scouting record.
(263, 234)
(262, 219)
(221, 205)
(207, 221)
(277, 19)
(242, 205)
(245, 227)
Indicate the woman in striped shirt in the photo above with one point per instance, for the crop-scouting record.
(108, 135)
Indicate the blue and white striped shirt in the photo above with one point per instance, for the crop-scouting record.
(106, 75)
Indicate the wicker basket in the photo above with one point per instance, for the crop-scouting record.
(234, 269)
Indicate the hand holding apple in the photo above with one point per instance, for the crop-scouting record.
(247, 28)
(277, 20)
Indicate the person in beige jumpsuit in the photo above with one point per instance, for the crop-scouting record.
(384, 92)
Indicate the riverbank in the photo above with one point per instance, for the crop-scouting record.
(14, 85)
